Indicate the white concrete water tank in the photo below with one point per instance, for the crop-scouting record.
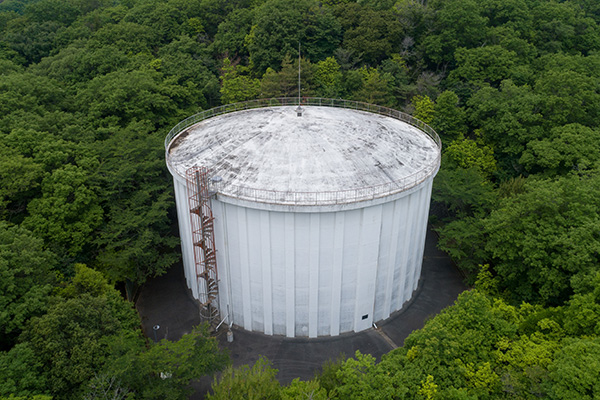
(319, 219)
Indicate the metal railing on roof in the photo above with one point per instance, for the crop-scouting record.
(322, 197)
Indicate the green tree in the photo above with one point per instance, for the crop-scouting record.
(456, 348)
(230, 37)
(165, 19)
(26, 279)
(582, 313)
(126, 96)
(279, 26)
(569, 96)
(68, 211)
(400, 86)
(375, 87)
(466, 153)
(73, 340)
(357, 379)
(21, 373)
(488, 64)
(574, 372)
(129, 37)
(190, 65)
(17, 186)
(456, 23)
(28, 92)
(509, 118)
(562, 27)
(449, 119)
(285, 82)
(165, 370)
(424, 108)
(428, 388)
(29, 41)
(544, 240)
(257, 382)
(567, 148)
(298, 389)
(236, 87)
(77, 63)
(373, 34)
(463, 239)
(134, 239)
(328, 77)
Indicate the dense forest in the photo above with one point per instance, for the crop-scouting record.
(89, 89)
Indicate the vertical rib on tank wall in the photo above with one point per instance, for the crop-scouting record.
(406, 289)
(255, 276)
(232, 253)
(290, 313)
(349, 272)
(423, 229)
(384, 264)
(336, 286)
(225, 302)
(301, 273)
(325, 272)
(185, 234)
(244, 260)
(419, 229)
(400, 257)
(276, 232)
(388, 252)
(313, 275)
(266, 273)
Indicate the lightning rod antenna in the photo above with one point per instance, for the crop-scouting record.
(299, 109)
(299, 72)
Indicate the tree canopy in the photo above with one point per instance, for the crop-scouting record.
(88, 91)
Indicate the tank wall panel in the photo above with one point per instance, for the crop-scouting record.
(313, 277)
(289, 275)
(232, 251)
(326, 272)
(423, 227)
(385, 270)
(403, 209)
(338, 266)
(301, 251)
(416, 207)
(265, 250)
(224, 269)
(278, 267)
(351, 247)
(254, 254)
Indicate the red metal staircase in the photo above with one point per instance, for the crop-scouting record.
(203, 238)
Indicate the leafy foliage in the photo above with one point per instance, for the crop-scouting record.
(89, 89)
(545, 240)
(26, 279)
(257, 382)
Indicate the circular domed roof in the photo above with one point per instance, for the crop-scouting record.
(290, 159)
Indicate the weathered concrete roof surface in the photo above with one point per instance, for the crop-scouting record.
(325, 150)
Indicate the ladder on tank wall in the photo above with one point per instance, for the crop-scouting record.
(203, 240)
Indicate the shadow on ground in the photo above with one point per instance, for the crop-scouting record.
(166, 302)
